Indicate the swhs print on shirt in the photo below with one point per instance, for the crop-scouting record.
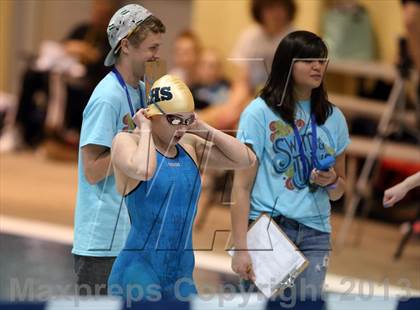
(286, 159)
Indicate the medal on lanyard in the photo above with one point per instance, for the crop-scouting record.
(124, 86)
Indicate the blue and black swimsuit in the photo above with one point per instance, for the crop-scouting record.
(158, 259)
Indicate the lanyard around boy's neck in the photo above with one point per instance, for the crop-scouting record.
(306, 168)
(124, 86)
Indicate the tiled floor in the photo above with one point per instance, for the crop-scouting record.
(31, 268)
(35, 189)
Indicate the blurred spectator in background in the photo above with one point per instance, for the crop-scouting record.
(88, 43)
(186, 52)
(253, 54)
(411, 15)
(211, 87)
(348, 31)
(256, 45)
(78, 59)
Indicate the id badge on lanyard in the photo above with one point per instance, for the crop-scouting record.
(306, 167)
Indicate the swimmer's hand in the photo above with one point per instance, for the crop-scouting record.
(141, 120)
(197, 127)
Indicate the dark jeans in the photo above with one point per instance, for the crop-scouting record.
(315, 246)
(92, 274)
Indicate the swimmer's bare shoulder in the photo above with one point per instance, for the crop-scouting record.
(189, 143)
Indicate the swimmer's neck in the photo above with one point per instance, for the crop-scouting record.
(167, 149)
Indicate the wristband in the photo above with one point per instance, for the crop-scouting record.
(334, 184)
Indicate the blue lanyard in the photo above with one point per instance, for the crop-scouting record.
(306, 168)
(123, 85)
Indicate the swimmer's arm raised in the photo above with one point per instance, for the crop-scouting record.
(134, 153)
(220, 150)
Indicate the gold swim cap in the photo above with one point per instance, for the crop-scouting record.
(171, 94)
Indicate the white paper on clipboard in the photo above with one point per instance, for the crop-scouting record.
(275, 259)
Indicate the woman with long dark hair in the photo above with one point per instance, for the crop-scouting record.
(299, 139)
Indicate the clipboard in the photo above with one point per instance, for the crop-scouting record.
(276, 260)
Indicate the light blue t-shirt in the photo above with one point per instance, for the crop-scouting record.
(101, 219)
(280, 188)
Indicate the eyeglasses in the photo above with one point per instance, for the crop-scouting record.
(174, 119)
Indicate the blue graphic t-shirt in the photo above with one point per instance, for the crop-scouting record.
(101, 219)
(280, 186)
